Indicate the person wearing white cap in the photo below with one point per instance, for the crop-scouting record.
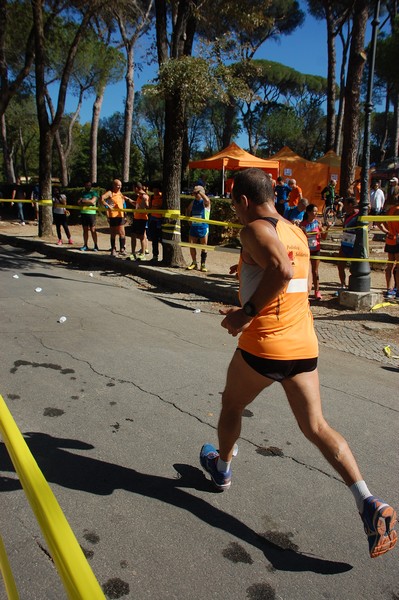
(394, 191)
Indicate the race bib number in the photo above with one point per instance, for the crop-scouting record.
(313, 243)
(348, 239)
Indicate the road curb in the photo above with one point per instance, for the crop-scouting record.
(211, 286)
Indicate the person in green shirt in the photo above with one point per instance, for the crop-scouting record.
(88, 202)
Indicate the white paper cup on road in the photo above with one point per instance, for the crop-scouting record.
(62, 320)
(15, 276)
(38, 290)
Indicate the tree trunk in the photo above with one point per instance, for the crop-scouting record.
(341, 103)
(63, 160)
(396, 125)
(173, 152)
(383, 143)
(23, 155)
(47, 129)
(357, 59)
(94, 134)
(229, 116)
(127, 134)
(7, 156)
(331, 84)
(175, 119)
(45, 162)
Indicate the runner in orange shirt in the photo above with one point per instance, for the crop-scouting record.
(391, 228)
(278, 343)
(295, 194)
(139, 224)
(114, 201)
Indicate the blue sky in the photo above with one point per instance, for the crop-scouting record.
(304, 50)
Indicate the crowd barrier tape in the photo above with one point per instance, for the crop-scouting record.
(237, 251)
(378, 218)
(174, 229)
(9, 582)
(166, 213)
(74, 570)
(169, 213)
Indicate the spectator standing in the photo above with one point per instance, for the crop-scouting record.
(198, 234)
(228, 187)
(139, 223)
(348, 237)
(114, 201)
(35, 197)
(155, 223)
(19, 193)
(315, 232)
(281, 191)
(273, 181)
(88, 201)
(377, 199)
(328, 194)
(393, 190)
(295, 194)
(391, 228)
(295, 214)
(60, 215)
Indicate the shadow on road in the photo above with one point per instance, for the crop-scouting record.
(99, 477)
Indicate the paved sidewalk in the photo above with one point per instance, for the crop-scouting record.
(362, 334)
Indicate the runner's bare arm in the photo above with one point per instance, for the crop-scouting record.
(262, 247)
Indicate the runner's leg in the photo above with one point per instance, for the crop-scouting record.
(243, 385)
(303, 393)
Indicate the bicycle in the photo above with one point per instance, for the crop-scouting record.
(332, 212)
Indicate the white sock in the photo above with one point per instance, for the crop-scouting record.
(360, 492)
(223, 466)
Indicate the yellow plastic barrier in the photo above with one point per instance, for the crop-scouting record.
(72, 566)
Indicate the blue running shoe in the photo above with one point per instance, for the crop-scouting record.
(379, 521)
(208, 459)
(84, 248)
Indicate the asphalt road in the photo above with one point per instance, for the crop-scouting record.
(115, 404)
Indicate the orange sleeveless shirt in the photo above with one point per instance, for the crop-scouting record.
(283, 330)
(116, 202)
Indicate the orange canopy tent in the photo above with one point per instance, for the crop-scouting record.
(333, 162)
(311, 176)
(234, 158)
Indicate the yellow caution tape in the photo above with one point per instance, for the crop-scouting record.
(388, 352)
(73, 568)
(382, 305)
(206, 248)
(9, 582)
(345, 259)
(379, 218)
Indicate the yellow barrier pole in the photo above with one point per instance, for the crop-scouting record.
(72, 566)
(11, 588)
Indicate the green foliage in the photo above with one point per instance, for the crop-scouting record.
(80, 155)
(19, 24)
(110, 159)
(193, 78)
(237, 29)
(387, 55)
(23, 134)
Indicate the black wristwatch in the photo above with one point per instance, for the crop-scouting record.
(249, 309)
